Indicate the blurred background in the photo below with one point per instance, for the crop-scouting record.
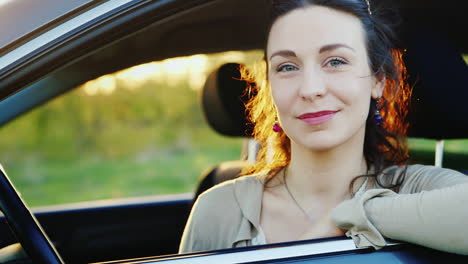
(134, 133)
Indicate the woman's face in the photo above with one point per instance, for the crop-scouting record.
(320, 78)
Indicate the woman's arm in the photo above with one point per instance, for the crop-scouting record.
(437, 219)
(431, 210)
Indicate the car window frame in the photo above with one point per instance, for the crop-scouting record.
(283, 251)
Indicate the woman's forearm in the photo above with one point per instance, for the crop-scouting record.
(437, 219)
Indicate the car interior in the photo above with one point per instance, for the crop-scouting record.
(143, 227)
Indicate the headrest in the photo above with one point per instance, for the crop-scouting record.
(223, 99)
(440, 96)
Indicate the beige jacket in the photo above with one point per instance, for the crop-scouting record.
(431, 209)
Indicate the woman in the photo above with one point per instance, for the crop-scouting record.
(333, 162)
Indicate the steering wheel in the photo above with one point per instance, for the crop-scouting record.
(25, 226)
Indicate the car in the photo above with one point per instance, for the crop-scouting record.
(59, 56)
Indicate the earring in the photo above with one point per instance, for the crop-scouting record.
(276, 127)
(377, 117)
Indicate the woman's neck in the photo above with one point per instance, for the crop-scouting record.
(325, 174)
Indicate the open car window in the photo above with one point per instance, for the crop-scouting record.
(137, 132)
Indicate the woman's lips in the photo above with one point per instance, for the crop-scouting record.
(317, 117)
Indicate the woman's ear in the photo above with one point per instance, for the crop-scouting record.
(378, 87)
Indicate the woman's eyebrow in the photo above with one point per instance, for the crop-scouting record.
(333, 47)
(329, 47)
(284, 53)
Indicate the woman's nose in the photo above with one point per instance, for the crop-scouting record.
(312, 86)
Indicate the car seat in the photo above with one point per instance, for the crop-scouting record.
(223, 102)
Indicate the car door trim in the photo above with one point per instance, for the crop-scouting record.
(261, 253)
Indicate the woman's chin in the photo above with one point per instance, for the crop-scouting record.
(329, 139)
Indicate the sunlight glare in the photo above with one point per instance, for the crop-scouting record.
(233, 56)
(90, 88)
(103, 85)
(199, 71)
(176, 66)
(191, 69)
(136, 76)
(107, 84)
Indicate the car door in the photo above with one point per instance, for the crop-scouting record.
(328, 250)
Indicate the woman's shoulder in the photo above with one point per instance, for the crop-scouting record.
(416, 177)
(218, 213)
(227, 189)
(226, 195)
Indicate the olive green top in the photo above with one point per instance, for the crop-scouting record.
(430, 209)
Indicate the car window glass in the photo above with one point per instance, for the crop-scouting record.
(133, 133)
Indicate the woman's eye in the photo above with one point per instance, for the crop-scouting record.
(286, 68)
(336, 62)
